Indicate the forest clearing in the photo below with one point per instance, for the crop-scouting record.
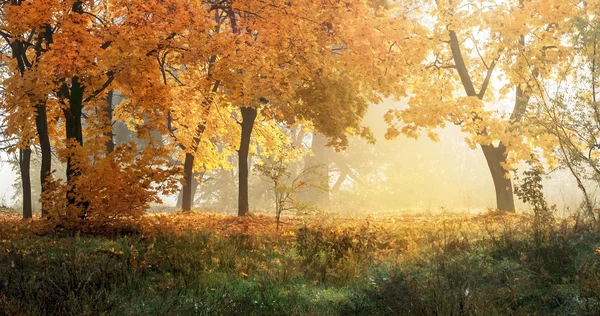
(299, 157)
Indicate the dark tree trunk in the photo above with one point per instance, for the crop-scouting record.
(24, 166)
(73, 120)
(495, 157)
(110, 144)
(189, 188)
(195, 184)
(188, 174)
(74, 132)
(248, 118)
(41, 123)
(188, 168)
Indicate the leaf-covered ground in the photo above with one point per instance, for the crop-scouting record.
(211, 264)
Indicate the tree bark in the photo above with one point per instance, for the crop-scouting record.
(41, 123)
(195, 184)
(73, 126)
(24, 166)
(188, 168)
(495, 157)
(74, 134)
(110, 144)
(248, 118)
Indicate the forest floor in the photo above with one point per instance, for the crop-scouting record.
(209, 264)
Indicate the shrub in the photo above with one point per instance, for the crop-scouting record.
(335, 253)
(109, 188)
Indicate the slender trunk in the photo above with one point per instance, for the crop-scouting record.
(188, 168)
(24, 165)
(110, 145)
(248, 118)
(189, 188)
(41, 122)
(496, 157)
(188, 173)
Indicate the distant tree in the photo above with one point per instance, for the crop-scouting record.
(476, 45)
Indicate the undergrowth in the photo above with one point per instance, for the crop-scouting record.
(491, 264)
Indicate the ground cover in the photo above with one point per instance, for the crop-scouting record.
(211, 264)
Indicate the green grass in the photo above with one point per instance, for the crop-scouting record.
(320, 272)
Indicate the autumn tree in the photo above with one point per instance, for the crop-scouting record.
(303, 60)
(28, 33)
(68, 55)
(567, 112)
(190, 71)
(494, 51)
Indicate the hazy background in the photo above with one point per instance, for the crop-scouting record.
(404, 175)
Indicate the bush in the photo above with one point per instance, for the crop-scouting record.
(107, 189)
(334, 253)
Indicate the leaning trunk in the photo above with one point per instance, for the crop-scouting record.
(41, 123)
(24, 165)
(496, 157)
(248, 118)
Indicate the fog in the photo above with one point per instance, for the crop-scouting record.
(397, 176)
(7, 178)
(449, 175)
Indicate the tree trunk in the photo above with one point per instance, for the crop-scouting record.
(297, 142)
(495, 157)
(196, 179)
(110, 145)
(73, 125)
(24, 165)
(188, 175)
(320, 161)
(41, 123)
(248, 118)
(74, 133)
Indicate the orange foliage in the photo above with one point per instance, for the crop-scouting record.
(118, 186)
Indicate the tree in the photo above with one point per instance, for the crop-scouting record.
(69, 55)
(486, 48)
(285, 186)
(267, 58)
(318, 162)
(28, 39)
(190, 71)
(567, 113)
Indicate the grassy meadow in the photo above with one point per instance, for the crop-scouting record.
(209, 264)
